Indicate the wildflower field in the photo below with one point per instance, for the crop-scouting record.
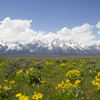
(50, 78)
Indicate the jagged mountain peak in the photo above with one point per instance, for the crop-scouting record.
(45, 42)
(16, 43)
(33, 41)
(56, 46)
(57, 40)
(3, 43)
(14, 47)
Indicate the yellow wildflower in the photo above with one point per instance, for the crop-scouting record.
(59, 85)
(5, 87)
(39, 95)
(98, 73)
(95, 77)
(19, 72)
(32, 60)
(27, 71)
(90, 71)
(77, 81)
(42, 81)
(6, 80)
(93, 82)
(74, 86)
(62, 85)
(67, 81)
(97, 83)
(22, 97)
(36, 69)
(35, 92)
(10, 87)
(18, 95)
(67, 85)
(31, 68)
(24, 74)
(70, 84)
(98, 88)
(36, 62)
(62, 82)
(35, 97)
(56, 88)
(12, 82)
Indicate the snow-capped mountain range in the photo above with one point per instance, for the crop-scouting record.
(56, 47)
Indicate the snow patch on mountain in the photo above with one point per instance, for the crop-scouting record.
(56, 46)
(14, 47)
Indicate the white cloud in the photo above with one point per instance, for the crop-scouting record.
(98, 32)
(82, 33)
(95, 42)
(79, 34)
(15, 30)
(19, 30)
(98, 25)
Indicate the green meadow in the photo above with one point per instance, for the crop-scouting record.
(50, 78)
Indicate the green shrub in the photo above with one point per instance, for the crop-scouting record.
(11, 67)
(33, 76)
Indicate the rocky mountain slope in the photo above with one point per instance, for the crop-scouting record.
(57, 47)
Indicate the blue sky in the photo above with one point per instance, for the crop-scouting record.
(51, 16)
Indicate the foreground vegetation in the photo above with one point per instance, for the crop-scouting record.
(45, 78)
